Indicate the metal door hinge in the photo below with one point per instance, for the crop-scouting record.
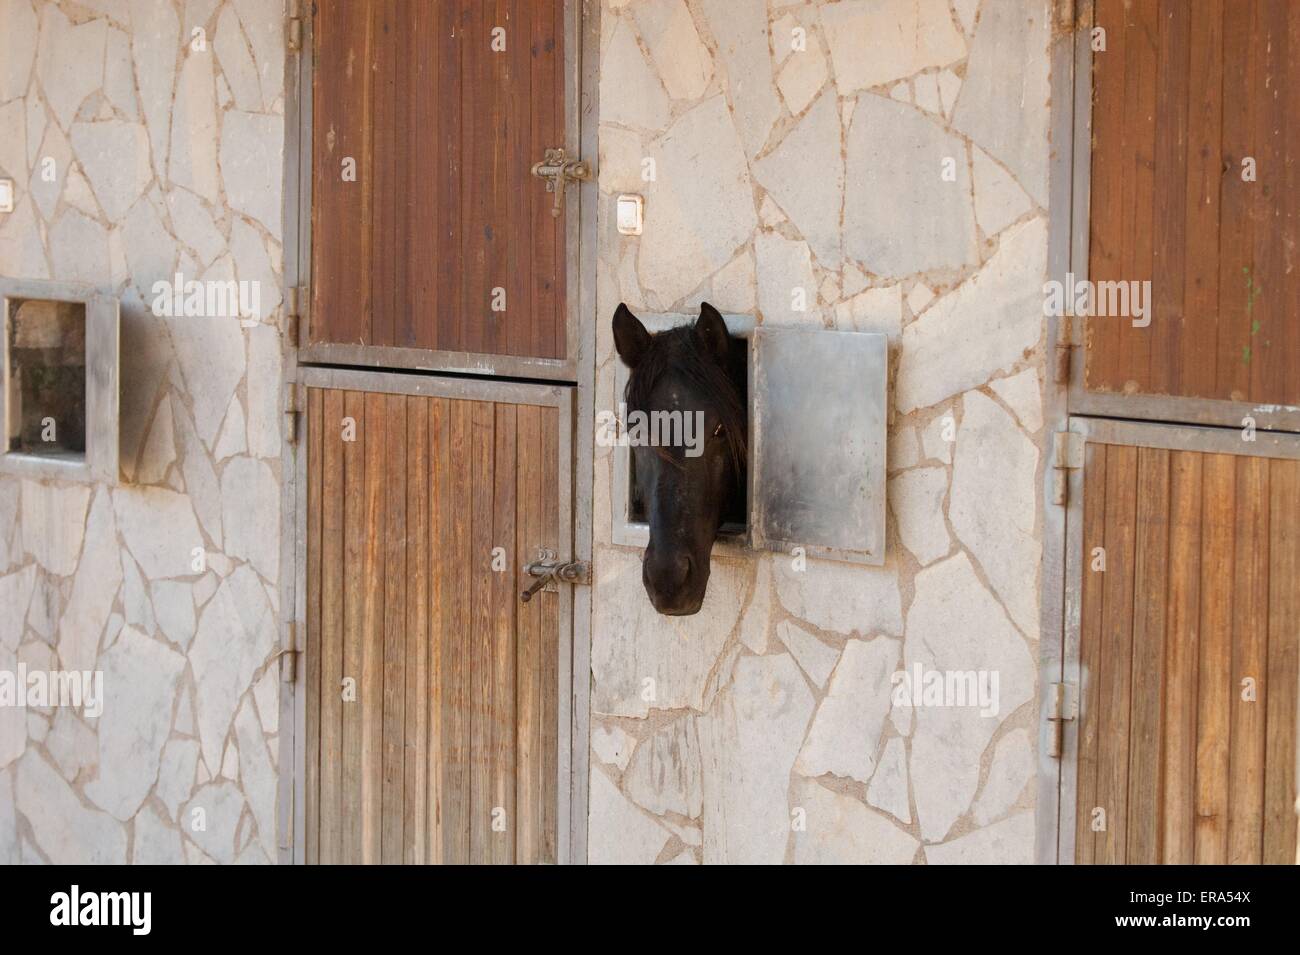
(296, 298)
(1062, 706)
(289, 654)
(1065, 345)
(1067, 456)
(291, 412)
(547, 569)
(293, 29)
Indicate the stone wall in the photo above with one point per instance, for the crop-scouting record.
(166, 158)
(894, 168)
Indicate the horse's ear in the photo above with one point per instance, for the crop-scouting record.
(712, 331)
(630, 337)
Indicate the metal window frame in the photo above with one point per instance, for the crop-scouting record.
(1140, 434)
(100, 462)
(582, 27)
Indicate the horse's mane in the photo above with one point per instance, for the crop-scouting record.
(681, 350)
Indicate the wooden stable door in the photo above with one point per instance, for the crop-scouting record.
(429, 232)
(1195, 187)
(1185, 570)
(433, 703)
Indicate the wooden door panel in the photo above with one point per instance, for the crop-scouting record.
(1183, 94)
(432, 704)
(1188, 602)
(443, 240)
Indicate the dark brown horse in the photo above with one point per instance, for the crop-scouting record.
(690, 482)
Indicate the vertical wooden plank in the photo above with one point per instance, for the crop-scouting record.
(1287, 340)
(354, 616)
(384, 163)
(1105, 242)
(1249, 662)
(550, 633)
(415, 756)
(1237, 275)
(547, 256)
(393, 729)
(530, 785)
(1150, 571)
(408, 244)
(1139, 153)
(450, 298)
(312, 624)
(1182, 659)
(367, 173)
(340, 128)
(1283, 682)
(1091, 664)
(497, 172)
(503, 599)
(478, 129)
(1214, 683)
(556, 312)
(333, 589)
(1197, 358)
(1266, 318)
(480, 632)
(1117, 649)
(371, 693)
(424, 178)
(440, 597)
(1170, 197)
(518, 126)
(457, 694)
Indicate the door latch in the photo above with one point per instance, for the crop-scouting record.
(546, 569)
(558, 171)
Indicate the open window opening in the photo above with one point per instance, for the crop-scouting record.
(59, 402)
(735, 519)
(45, 377)
(631, 525)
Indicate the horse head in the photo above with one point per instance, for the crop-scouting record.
(687, 429)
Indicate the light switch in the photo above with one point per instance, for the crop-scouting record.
(631, 214)
(6, 195)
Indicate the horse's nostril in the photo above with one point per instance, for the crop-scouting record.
(683, 569)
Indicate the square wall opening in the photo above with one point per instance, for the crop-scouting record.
(735, 519)
(45, 373)
(59, 401)
(630, 518)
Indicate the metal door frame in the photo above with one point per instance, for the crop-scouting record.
(577, 372)
(1140, 434)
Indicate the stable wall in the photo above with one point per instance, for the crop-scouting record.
(168, 159)
(715, 737)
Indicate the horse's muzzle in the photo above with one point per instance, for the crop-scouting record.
(674, 582)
